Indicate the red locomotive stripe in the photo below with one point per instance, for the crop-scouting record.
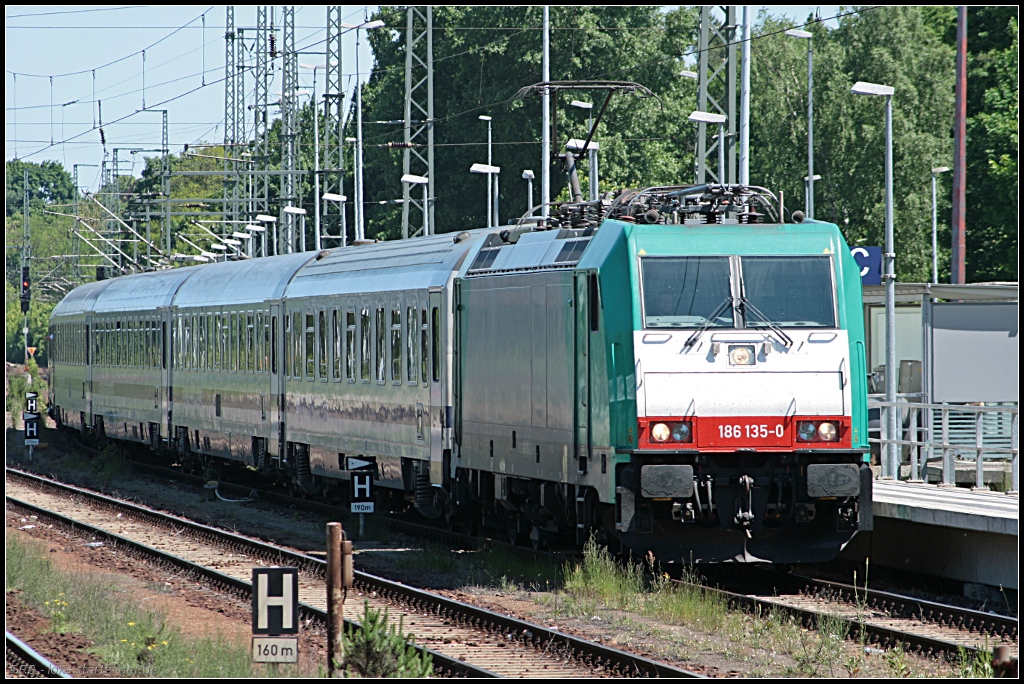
(729, 433)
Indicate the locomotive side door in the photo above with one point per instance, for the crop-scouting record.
(277, 351)
(582, 372)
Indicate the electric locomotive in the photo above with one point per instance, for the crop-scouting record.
(675, 370)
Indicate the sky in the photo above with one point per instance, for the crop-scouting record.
(67, 67)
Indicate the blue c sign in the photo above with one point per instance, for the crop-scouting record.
(870, 261)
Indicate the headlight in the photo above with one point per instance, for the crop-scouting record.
(681, 432)
(805, 431)
(741, 355)
(827, 432)
(660, 432)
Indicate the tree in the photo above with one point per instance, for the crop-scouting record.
(48, 183)
(893, 46)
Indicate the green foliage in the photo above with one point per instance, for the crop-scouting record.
(381, 649)
(38, 326)
(48, 183)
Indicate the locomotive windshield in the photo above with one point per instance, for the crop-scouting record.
(695, 292)
(788, 291)
(684, 292)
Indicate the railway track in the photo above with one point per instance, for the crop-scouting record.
(464, 640)
(879, 617)
(21, 660)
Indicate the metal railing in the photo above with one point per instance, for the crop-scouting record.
(943, 432)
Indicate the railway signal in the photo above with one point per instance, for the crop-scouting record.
(275, 613)
(26, 289)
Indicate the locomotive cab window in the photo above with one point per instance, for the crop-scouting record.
(687, 292)
(788, 291)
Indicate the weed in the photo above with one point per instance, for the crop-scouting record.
(381, 649)
(896, 660)
(973, 665)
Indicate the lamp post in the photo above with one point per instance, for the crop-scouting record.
(799, 33)
(484, 117)
(808, 200)
(708, 117)
(528, 177)
(935, 223)
(301, 213)
(316, 154)
(264, 218)
(360, 221)
(423, 182)
(357, 233)
(889, 276)
(490, 171)
(592, 150)
(341, 199)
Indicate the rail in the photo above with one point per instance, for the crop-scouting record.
(28, 663)
(922, 441)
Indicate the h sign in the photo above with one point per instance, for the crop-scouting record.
(275, 600)
(362, 470)
(31, 399)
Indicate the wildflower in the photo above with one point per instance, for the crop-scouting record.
(131, 624)
(124, 641)
(46, 603)
(164, 643)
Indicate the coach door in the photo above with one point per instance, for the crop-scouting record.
(276, 416)
(90, 357)
(166, 368)
(440, 407)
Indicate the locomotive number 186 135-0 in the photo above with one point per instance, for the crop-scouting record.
(750, 431)
(744, 431)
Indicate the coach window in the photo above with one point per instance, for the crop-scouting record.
(310, 350)
(211, 341)
(231, 349)
(411, 320)
(287, 345)
(396, 346)
(225, 342)
(266, 341)
(118, 356)
(260, 344)
(273, 345)
(335, 345)
(296, 345)
(321, 349)
(364, 344)
(196, 341)
(201, 343)
(250, 342)
(436, 344)
(424, 355)
(218, 346)
(380, 346)
(350, 346)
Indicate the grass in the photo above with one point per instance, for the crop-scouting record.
(131, 640)
(599, 580)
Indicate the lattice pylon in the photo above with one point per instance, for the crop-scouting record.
(418, 158)
(716, 91)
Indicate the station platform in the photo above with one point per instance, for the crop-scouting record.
(955, 507)
(950, 532)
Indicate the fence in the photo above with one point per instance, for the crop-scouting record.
(934, 432)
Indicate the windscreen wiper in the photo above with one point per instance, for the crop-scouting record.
(708, 322)
(747, 306)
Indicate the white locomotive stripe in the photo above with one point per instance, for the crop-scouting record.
(743, 394)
